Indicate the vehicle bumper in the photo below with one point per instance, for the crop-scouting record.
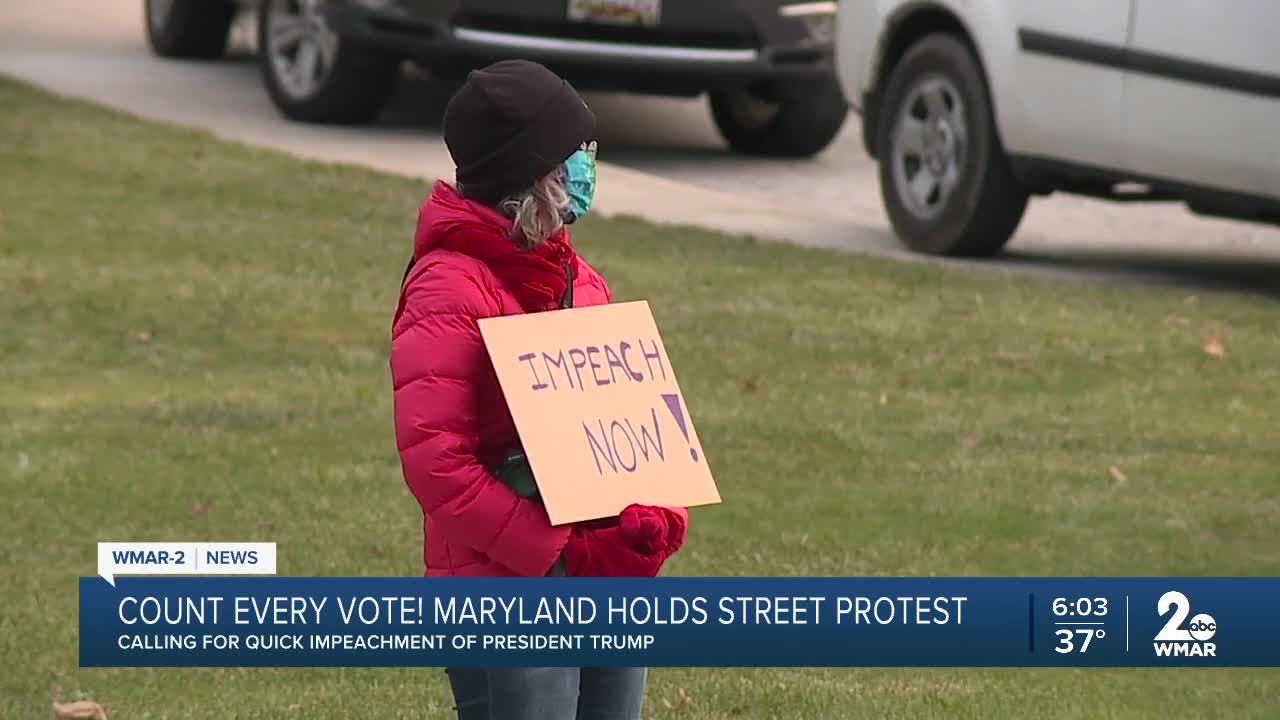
(695, 47)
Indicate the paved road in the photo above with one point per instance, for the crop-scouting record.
(667, 161)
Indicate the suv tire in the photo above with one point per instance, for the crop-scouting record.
(348, 83)
(780, 120)
(188, 28)
(945, 179)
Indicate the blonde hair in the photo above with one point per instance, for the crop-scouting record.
(538, 213)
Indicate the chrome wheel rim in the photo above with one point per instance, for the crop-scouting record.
(929, 145)
(299, 45)
(158, 12)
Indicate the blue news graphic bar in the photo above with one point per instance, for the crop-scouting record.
(680, 622)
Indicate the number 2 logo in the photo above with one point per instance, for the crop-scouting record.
(1172, 630)
(1203, 627)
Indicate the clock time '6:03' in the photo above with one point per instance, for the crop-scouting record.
(1080, 607)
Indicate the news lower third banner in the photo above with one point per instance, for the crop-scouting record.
(688, 622)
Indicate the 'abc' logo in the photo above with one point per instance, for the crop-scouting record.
(1202, 627)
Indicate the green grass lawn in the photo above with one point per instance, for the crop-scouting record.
(195, 348)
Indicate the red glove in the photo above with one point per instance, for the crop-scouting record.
(677, 520)
(645, 529)
(674, 523)
(636, 546)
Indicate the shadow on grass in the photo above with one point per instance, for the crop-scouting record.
(1253, 276)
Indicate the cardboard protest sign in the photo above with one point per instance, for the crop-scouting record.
(598, 410)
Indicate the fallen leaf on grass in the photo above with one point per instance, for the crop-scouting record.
(1117, 476)
(81, 710)
(376, 551)
(143, 337)
(750, 385)
(1214, 346)
(884, 399)
(204, 507)
(685, 698)
(667, 704)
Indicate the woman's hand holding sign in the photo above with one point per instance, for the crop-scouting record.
(637, 546)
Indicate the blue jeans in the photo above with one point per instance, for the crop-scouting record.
(548, 693)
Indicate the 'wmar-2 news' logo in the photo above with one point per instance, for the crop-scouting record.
(1174, 640)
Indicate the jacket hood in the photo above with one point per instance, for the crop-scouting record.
(446, 212)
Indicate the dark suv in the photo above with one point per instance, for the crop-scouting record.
(766, 64)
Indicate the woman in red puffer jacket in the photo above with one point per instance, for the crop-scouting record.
(495, 244)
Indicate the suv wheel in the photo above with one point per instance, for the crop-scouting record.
(312, 74)
(946, 182)
(780, 120)
(188, 28)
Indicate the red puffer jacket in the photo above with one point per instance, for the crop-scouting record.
(451, 419)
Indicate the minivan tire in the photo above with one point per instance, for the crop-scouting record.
(985, 205)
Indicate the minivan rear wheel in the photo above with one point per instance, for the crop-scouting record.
(945, 180)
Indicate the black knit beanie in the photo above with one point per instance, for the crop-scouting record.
(510, 124)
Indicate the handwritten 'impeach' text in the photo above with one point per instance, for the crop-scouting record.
(578, 368)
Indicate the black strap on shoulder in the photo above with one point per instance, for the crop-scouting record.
(567, 301)
(407, 270)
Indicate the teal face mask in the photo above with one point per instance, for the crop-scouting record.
(580, 180)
